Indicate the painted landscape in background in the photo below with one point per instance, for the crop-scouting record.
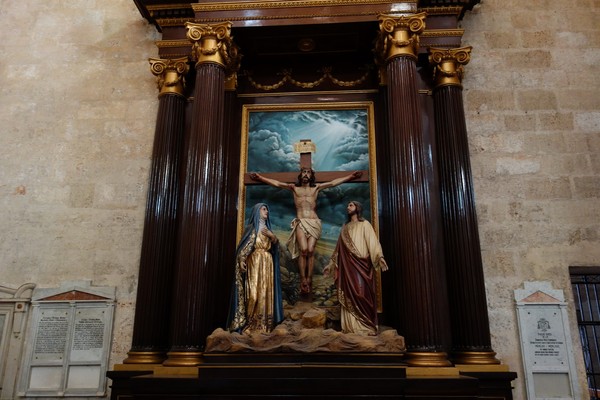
(342, 142)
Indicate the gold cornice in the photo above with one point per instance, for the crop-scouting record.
(444, 10)
(162, 7)
(172, 43)
(173, 21)
(174, 55)
(442, 33)
(289, 16)
(236, 5)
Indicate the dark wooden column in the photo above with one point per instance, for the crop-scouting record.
(157, 262)
(230, 187)
(471, 343)
(418, 273)
(202, 206)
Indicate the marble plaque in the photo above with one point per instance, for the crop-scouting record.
(545, 338)
(71, 337)
(545, 342)
(51, 339)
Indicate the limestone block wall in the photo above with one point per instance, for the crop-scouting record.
(532, 98)
(77, 111)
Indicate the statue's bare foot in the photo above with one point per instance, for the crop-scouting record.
(305, 286)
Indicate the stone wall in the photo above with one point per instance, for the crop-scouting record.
(77, 110)
(533, 114)
(78, 107)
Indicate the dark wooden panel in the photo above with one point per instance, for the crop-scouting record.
(309, 381)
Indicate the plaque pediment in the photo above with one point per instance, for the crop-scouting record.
(75, 291)
(74, 295)
(540, 297)
(540, 293)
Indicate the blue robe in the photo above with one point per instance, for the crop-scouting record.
(240, 318)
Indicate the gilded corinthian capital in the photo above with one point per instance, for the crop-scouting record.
(213, 43)
(448, 65)
(170, 74)
(399, 36)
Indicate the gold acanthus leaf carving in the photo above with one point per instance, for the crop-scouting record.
(399, 35)
(449, 63)
(214, 41)
(161, 68)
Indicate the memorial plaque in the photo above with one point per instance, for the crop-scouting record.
(545, 342)
(71, 337)
(545, 336)
(88, 335)
(51, 339)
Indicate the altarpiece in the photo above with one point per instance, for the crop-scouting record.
(235, 79)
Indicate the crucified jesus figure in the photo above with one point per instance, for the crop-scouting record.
(306, 227)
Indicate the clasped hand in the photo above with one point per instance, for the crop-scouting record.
(269, 234)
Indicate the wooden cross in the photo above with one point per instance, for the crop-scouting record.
(305, 147)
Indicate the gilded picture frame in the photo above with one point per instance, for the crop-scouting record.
(344, 135)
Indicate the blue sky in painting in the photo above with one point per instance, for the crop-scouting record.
(341, 137)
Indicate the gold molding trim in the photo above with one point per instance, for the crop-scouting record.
(236, 5)
(427, 359)
(183, 359)
(145, 357)
(173, 21)
(475, 358)
(443, 33)
(176, 55)
(444, 10)
(290, 16)
(172, 43)
(160, 7)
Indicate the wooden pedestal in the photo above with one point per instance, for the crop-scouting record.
(309, 377)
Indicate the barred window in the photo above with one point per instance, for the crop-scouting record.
(586, 291)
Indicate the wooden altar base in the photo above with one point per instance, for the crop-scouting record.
(308, 377)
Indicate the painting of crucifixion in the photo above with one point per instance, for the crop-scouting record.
(335, 141)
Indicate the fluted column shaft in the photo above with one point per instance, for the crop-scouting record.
(202, 205)
(471, 342)
(157, 261)
(408, 204)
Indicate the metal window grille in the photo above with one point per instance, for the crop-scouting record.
(586, 291)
